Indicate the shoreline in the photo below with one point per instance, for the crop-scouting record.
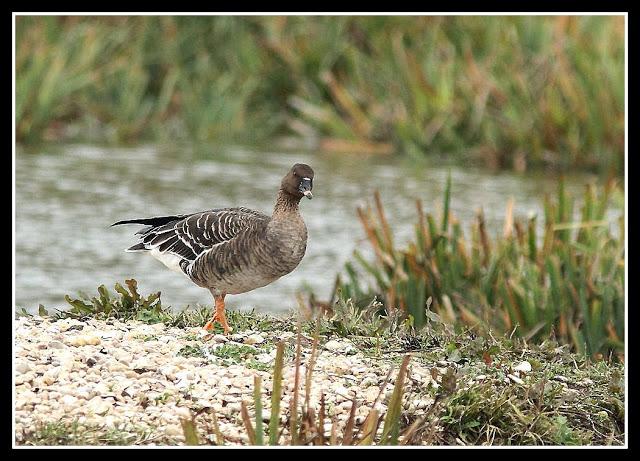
(99, 382)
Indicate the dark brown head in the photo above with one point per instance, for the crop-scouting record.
(298, 181)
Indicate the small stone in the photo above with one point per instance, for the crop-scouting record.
(586, 382)
(56, 345)
(560, 378)
(569, 395)
(69, 400)
(346, 405)
(67, 363)
(99, 406)
(83, 340)
(51, 376)
(234, 406)
(92, 340)
(183, 412)
(266, 357)
(333, 345)
(185, 375)
(515, 379)
(254, 339)
(142, 365)
(110, 421)
(524, 367)
(122, 357)
(371, 394)
(341, 347)
(23, 367)
(220, 338)
(169, 371)
(368, 382)
(173, 430)
(84, 393)
(342, 393)
(76, 341)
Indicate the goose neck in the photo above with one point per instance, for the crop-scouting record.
(286, 204)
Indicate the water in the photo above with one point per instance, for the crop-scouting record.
(68, 196)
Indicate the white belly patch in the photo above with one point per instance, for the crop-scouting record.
(169, 260)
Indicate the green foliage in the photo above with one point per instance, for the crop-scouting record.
(191, 351)
(349, 320)
(568, 282)
(73, 433)
(514, 91)
(128, 305)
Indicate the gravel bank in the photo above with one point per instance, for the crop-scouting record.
(98, 382)
(142, 379)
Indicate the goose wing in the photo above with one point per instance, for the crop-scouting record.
(189, 236)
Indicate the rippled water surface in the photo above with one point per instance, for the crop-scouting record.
(67, 197)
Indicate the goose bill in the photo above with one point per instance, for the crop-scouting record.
(305, 187)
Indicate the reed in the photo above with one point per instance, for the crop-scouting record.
(567, 282)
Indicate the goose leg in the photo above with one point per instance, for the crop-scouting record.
(218, 316)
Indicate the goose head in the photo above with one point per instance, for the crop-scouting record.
(298, 182)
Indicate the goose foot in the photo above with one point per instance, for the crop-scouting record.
(219, 316)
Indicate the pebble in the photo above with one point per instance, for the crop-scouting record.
(524, 367)
(515, 379)
(254, 339)
(22, 367)
(586, 382)
(69, 400)
(56, 345)
(335, 345)
(569, 395)
(371, 393)
(83, 340)
(99, 406)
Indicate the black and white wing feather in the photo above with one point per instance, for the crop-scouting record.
(179, 240)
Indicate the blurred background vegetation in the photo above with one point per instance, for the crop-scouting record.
(510, 92)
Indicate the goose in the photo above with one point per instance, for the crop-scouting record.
(231, 251)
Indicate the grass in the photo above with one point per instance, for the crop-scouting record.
(567, 282)
(74, 434)
(513, 92)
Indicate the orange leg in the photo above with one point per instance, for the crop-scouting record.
(218, 316)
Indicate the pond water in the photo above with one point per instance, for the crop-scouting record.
(67, 196)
